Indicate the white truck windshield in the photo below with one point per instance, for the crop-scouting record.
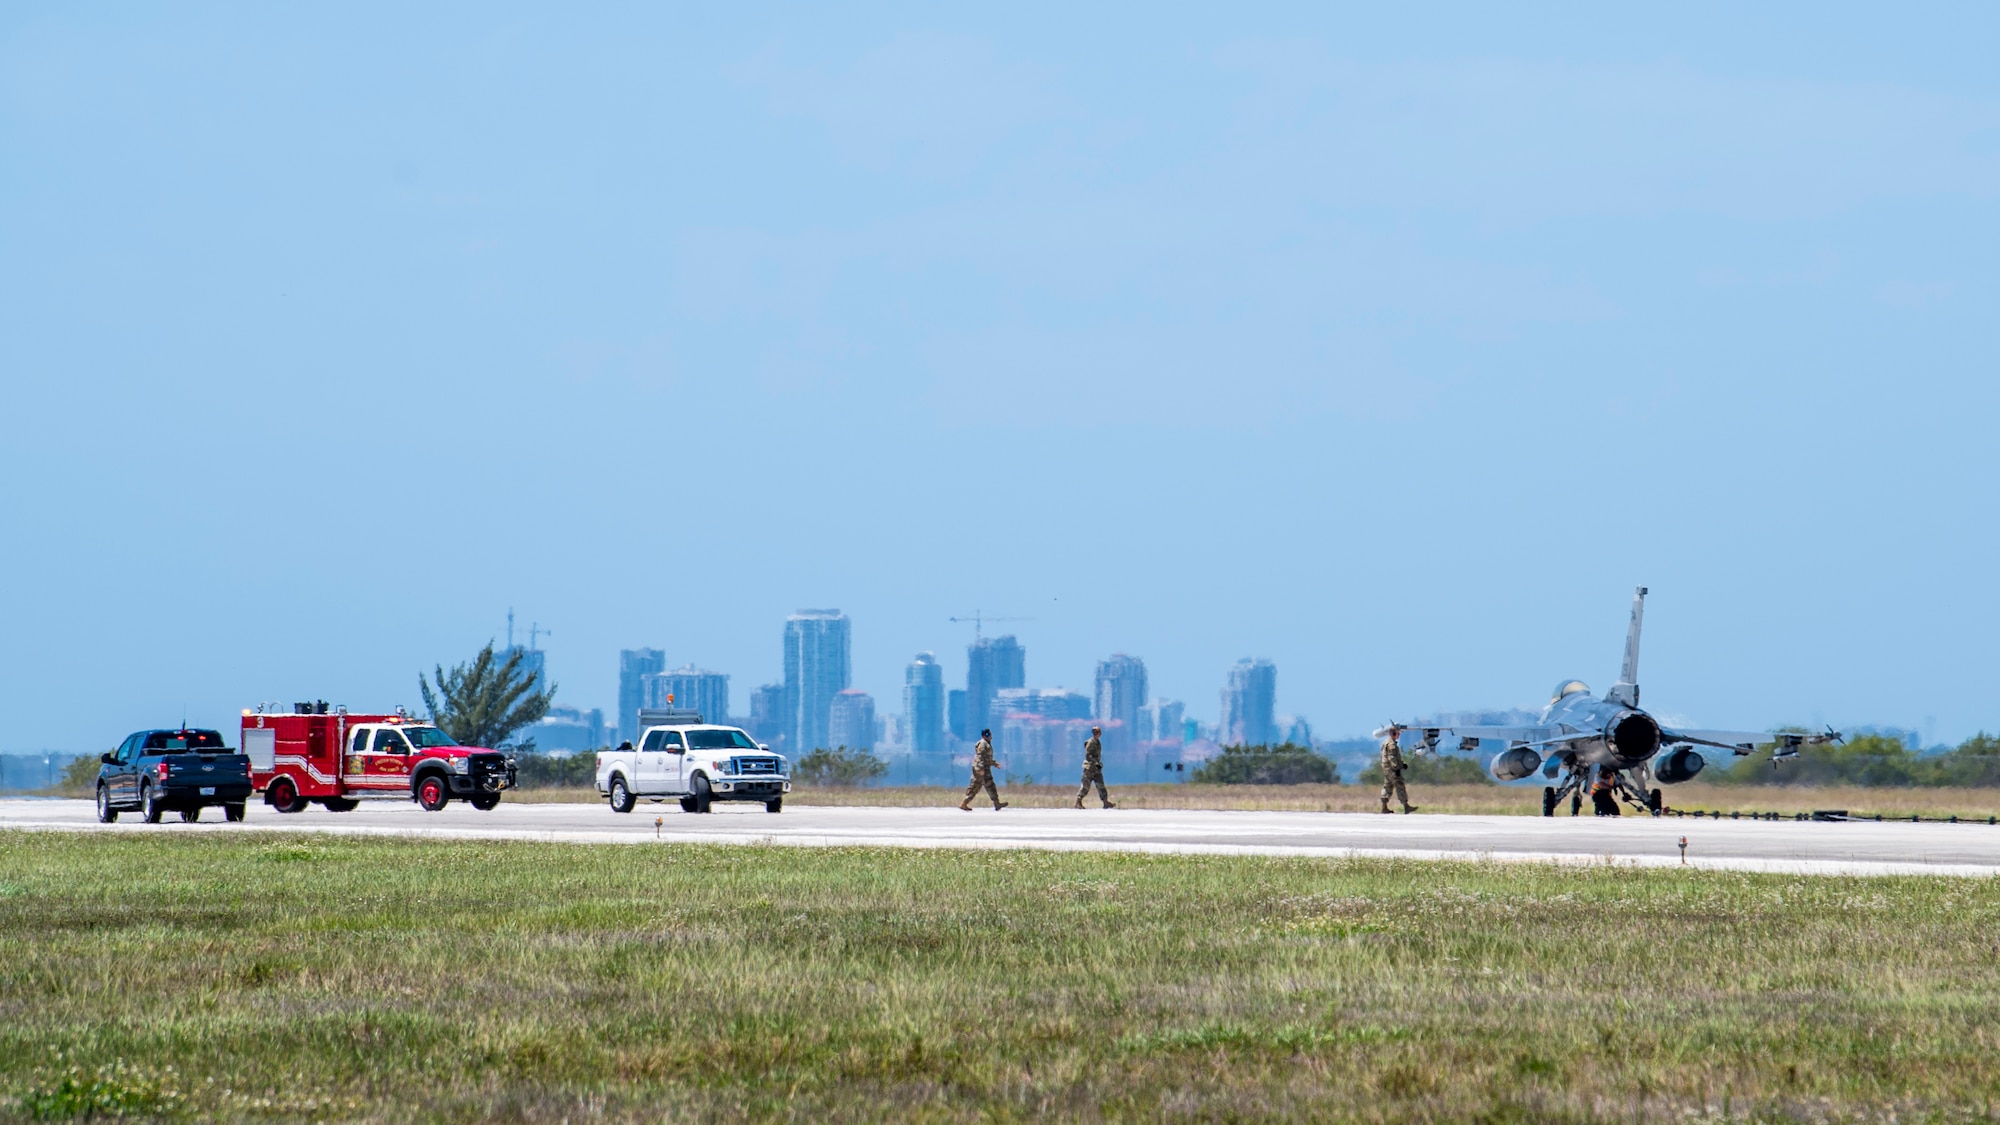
(719, 740)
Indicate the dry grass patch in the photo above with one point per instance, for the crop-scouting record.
(1484, 800)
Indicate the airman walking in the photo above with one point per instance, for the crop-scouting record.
(1392, 773)
(1093, 770)
(982, 774)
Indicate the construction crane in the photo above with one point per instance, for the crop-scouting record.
(979, 619)
(535, 631)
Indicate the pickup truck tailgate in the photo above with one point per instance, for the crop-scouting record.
(221, 772)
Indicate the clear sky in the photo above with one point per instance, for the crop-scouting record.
(1395, 344)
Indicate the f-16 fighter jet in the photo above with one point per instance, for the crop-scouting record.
(1580, 734)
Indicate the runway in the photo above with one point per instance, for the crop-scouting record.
(1777, 846)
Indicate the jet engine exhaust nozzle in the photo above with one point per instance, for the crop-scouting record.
(1635, 737)
(1676, 766)
(1515, 764)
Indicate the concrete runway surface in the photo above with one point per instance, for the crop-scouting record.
(1781, 846)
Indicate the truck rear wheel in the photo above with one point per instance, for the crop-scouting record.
(283, 795)
(702, 797)
(485, 802)
(340, 804)
(190, 815)
(105, 813)
(621, 794)
(432, 794)
(149, 804)
(233, 813)
(775, 804)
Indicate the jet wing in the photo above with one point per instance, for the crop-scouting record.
(1533, 736)
(1742, 742)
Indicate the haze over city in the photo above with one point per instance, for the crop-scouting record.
(1394, 347)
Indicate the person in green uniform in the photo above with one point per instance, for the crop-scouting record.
(1093, 770)
(982, 774)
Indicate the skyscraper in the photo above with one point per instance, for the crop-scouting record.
(692, 689)
(1249, 704)
(1160, 721)
(634, 664)
(816, 670)
(1121, 692)
(1042, 703)
(767, 713)
(923, 704)
(954, 713)
(991, 663)
(851, 720)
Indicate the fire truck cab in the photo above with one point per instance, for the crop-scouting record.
(338, 760)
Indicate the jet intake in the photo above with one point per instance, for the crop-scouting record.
(1676, 766)
(1634, 736)
(1515, 764)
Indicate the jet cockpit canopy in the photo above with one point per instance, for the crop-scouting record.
(1566, 689)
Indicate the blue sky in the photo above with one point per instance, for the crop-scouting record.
(1396, 346)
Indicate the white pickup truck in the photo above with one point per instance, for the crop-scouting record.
(697, 762)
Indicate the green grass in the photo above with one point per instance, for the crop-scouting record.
(313, 977)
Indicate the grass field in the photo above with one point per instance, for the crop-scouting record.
(1481, 799)
(374, 978)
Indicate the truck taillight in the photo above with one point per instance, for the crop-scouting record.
(163, 771)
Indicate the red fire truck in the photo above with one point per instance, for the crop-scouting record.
(339, 760)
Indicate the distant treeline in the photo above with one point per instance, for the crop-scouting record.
(1878, 760)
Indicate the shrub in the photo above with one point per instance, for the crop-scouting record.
(79, 777)
(1875, 760)
(842, 767)
(1287, 764)
(1433, 769)
(541, 771)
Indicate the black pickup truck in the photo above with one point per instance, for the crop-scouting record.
(183, 770)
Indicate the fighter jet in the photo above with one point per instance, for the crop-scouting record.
(1579, 734)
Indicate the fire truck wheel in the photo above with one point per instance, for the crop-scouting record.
(701, 794)
(340, 804)
(149, 804)
(621, 795)
(775, 805)
(284, 796)
(190, 815)
(105, 813)
(233, 813)
(485, 802)
(432, 794)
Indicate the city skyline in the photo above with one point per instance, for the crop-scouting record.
(816, 644)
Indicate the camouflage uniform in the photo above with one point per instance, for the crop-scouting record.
(1093, 773)
(1392, 775)
(982, 775)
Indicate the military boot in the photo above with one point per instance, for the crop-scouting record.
(1079, 802)
(1407, 809)
(997, 806)
(965, 806)
(1108, 803)
(1385, 804)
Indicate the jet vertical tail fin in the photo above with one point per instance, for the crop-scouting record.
(1626, 690)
